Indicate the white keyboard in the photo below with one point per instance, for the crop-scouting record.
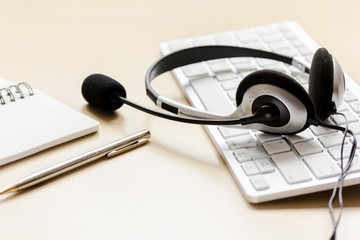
(268, 167)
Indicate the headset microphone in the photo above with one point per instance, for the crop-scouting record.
(105, 93)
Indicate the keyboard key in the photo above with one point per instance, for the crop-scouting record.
(355, 127)
(195, 70)
(302, 78)
(277, 68)
(265, 137)
(295, 71)
(226, 76)
(287, 52)
(265, 62)
(227, 132)
(264, 165)
(254, 44)
(203, 41)
(300, 137)
(349, 96)
(244, 74)
(351, 117)
(335, 152)
(263, 31)
(276, 146)
(212, 95)
(339, 120)
(355, 166)
(259, 182)
(250, 168)
(245, 66)
(226, 39)
(230, 84)
(179, 45)
(342, 108)
(296, 42)
(220, 67)
(246, 36)
(322, 165)
(357, 141)
(291, 167)
(355, 106)
(257, 152)
(290, 35)
(272, 37)
(244, 141)
(277, 44)
(308, 147)
(244, 60)
(304, 50)
(242, 155)
(318, 131)
(231, 95)
(283, 28)
(216, 61)
(331, 140)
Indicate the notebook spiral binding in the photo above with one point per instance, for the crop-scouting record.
(18, 89)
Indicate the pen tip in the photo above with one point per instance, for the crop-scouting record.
(8, 189)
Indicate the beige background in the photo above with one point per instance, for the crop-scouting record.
(177, 187)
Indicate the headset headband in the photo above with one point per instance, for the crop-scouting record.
(204, 53)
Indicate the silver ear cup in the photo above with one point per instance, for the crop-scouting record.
(338, 84)
(290, 108)
(281, 87)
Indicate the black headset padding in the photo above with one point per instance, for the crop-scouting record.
(280, 80)
(321, 83)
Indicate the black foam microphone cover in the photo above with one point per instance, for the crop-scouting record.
(102, 91)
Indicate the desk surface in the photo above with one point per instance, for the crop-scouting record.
(168, 189)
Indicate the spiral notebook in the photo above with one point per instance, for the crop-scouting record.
(32, 121)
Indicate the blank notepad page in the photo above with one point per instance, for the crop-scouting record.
(35, 122)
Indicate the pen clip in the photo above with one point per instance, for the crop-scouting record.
(130, 145)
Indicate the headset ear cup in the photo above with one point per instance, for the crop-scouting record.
(321, 83)
(277, 79)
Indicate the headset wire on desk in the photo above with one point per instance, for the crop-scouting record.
(344, 171)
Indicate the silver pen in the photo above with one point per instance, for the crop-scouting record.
(108, 150)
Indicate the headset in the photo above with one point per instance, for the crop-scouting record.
(266, 100)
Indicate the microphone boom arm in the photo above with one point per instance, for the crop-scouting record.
(265, 114)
